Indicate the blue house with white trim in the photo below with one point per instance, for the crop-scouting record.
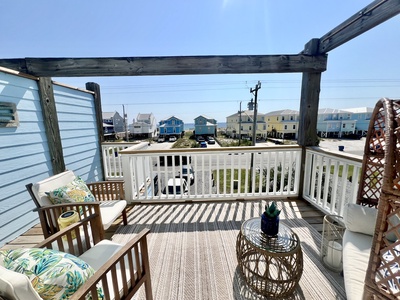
(205, 126)
(172, 126)
(362, 115)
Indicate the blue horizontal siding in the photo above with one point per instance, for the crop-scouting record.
(24, 152)
(77, 121)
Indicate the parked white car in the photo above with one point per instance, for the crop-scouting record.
(172, 139)
(177, 185)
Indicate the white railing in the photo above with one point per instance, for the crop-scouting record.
(219, 173)
(331, 180)
(112, 162)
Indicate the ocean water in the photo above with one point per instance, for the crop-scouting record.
(190, 126)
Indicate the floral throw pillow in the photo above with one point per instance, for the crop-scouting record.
(53, 274)
(75, 191)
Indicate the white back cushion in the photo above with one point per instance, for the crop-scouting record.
(16, 286)
(358, 218)
(40, 188)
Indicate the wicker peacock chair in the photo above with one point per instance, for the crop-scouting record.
(380, 187)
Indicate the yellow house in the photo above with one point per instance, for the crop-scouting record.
(242, 123)
(282, 124)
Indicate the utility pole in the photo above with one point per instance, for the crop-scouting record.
(255, 91)
(125, 123)
(240, 122)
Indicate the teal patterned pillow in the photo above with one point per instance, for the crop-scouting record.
(75, 191)
(53, 274)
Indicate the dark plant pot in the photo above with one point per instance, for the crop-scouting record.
(270, 226)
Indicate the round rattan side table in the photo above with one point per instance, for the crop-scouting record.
(270, 266)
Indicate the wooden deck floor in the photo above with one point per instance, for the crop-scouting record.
(33, 236)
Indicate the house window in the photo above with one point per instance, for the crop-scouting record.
(8, 115)
(344, 125)
(283, 118)
(291, 118)
(294, 126)
(285, 127)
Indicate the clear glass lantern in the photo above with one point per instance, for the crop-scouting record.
(332, 242)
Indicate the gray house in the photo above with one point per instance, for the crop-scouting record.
(145, 125)
(114, 119)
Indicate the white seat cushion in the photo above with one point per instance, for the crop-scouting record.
(356, 252)
(110, 210)
(106, 249)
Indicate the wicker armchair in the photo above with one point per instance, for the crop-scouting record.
(380, 187)
(109, 195)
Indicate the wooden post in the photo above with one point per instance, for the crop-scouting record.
(309, 102)
(94, 87)
(50, 121)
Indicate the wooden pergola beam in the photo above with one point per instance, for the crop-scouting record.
(167, 65)
(372, 15)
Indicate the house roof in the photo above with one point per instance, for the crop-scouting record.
(143, 116)
(108, 115)
(171, 117)
(323, 111)
(359, 110)
(245, 112)
(283, 112)
(205, 117)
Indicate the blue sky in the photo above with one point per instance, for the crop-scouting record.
(359, 72)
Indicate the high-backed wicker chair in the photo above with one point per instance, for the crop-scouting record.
(380, 187)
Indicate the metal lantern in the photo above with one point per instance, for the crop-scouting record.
(331, 244)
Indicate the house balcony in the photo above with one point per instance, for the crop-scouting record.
(227, 186)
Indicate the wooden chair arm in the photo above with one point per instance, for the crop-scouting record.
(71, 238)
(107, 190)
(49, 215)
(134, 252)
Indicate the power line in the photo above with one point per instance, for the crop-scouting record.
(237, 100)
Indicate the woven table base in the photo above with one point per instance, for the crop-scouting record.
(271, 274)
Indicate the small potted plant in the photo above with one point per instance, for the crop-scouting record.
(270, 220)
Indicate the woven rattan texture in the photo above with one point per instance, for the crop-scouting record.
(272, 268)
(382, 152)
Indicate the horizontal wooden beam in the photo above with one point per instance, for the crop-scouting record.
(372, 15)
(167, 65)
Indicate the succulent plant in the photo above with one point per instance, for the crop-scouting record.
(272, 210)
